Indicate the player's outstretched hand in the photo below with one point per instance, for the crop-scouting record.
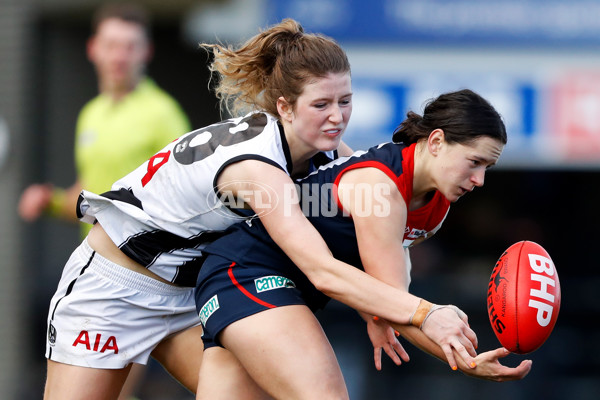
(489, 368)
(383, 336)
(449, 328)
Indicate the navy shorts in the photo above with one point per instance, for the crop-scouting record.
(227, 292)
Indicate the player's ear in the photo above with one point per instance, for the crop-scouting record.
(435, 141)
(284, 108)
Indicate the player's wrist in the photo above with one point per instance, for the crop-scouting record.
(421, 313)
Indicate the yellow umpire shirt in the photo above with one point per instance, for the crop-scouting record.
(114, 138)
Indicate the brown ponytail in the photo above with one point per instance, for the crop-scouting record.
(277, 62)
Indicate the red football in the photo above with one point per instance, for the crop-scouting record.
(523, 297)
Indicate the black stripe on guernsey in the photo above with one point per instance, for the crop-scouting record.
(321, 159)
(286, 149)
(187, 273)
(146, 247)
(124, 195)
(243, 213)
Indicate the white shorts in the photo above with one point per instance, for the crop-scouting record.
(107, 316)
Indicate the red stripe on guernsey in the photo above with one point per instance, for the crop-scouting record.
(243, 289)
(363, 164)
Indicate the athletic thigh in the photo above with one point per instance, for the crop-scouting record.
(70, 382)
(286, 352)
(181, 355)
(222, 377)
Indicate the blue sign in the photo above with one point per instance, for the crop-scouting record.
(466, 22)
(381, 105)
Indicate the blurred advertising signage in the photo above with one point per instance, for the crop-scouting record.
(380, 106)
(501, 22)
(575, 116)
(554, 124)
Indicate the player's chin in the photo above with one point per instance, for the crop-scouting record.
(453, 197)
(457, 195)
(331, 143)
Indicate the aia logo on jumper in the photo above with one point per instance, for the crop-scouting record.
(99, 344)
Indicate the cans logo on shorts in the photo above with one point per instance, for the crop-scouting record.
(208, 309)
(272, 282)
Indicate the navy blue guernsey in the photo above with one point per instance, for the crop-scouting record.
(248, 243)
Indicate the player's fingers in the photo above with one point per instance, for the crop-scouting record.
(449, 357)
(501, 352)
(392, 354)
(465, 350)
(464, 345)
(467, 358)
(468, 339)
(377, 358)
(523, 369)
(390, 336)
(468, 343)
(399, 349)
(395, 346)
(472, 336)
(517, 373)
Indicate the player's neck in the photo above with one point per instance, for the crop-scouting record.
(423, 185)
(300, 152)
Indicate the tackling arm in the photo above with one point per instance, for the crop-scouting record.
(302, 243)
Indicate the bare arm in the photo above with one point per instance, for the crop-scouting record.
(379, 213)
(39, 199)
(379, 238)
(297, 237)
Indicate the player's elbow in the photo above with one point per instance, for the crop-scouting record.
(323, 285)
(327, 282)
